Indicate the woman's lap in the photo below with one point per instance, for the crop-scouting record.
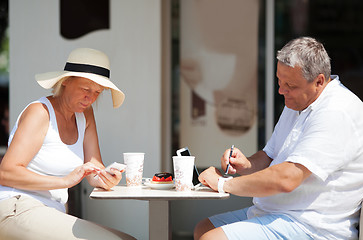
(27, 218)
(236, 226)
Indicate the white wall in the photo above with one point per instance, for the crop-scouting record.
(133, 46)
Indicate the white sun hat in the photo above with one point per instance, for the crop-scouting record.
(87, 63)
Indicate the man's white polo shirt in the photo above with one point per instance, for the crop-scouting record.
(327, 138)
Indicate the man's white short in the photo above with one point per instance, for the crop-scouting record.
(271, 226)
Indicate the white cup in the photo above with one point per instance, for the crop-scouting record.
(183, 172)
(134, 168)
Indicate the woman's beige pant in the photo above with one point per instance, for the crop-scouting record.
(25, 218)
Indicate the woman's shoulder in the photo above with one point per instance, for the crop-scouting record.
(37, 111)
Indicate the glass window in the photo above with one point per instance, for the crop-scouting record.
(337, 24)
(4, 77)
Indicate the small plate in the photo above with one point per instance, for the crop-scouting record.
(159, 186)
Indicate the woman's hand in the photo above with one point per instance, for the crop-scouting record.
(79, 173)
(107, 180)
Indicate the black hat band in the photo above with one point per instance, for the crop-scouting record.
(78, 67)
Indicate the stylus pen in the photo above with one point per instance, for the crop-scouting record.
(230, 155)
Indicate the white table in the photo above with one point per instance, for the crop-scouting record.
(158, 203)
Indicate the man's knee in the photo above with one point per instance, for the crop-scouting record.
(202, 227)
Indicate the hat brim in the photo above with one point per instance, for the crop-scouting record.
(49, 79)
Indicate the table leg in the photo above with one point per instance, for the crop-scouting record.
(159, 222)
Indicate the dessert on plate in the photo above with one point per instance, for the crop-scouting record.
(162, 178)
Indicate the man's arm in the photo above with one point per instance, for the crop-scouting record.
(280, 178)
(258, 161)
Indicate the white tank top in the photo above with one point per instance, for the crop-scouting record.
(53, 159)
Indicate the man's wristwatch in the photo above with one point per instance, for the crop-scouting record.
(221, 181)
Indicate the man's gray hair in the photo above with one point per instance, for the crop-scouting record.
(308, 54)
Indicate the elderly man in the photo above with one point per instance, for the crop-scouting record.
(307, 182)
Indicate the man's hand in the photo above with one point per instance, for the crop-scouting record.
(209, 178)
(238, 161)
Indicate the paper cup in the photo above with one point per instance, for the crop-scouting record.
(134, 168)
(183, 172)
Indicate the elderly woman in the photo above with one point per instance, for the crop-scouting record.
(53, 146)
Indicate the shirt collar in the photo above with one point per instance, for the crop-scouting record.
(334, 81)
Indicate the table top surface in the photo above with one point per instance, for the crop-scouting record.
(146, 193)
